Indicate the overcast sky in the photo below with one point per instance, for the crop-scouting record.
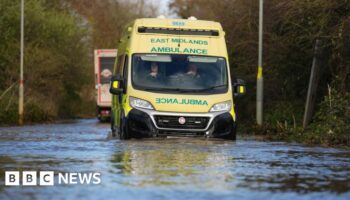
(163, 7)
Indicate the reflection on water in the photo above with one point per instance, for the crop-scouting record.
(180, 162)
(226, 166)
(170, 168)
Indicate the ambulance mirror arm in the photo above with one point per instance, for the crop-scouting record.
(116, 85)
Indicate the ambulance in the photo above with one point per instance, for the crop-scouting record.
(172, 78)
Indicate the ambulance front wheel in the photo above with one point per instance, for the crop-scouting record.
(113, 128)
(124, 128)
(233, 133)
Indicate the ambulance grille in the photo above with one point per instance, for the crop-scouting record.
(163, 121)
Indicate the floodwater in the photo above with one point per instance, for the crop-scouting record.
(171, 168)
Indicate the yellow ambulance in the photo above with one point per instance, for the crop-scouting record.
(172, 78)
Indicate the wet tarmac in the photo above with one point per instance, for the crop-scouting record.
(170, 168)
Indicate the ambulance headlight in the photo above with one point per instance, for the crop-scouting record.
(223, 106)
(139, 103)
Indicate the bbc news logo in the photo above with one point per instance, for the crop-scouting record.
(47, 178)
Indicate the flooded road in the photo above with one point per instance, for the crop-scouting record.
(170, 168)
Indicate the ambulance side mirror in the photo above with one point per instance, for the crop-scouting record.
(239, 88)
(116, 85)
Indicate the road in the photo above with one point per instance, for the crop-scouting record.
(171, 168)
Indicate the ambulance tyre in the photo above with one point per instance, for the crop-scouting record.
(113, 128)
(232, 135)
(124, 132)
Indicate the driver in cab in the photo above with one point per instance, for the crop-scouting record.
(154, 74)
(192, 71)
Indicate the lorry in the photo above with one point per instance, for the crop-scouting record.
(172, 78)
(104, 61)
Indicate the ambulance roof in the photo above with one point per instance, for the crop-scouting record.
(178, 23)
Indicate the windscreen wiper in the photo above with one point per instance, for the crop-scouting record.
(155, 89)
(211, 88)
(180, 90)
(184, 90)
(167, 89)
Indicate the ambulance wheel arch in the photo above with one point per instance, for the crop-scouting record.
(233, 134)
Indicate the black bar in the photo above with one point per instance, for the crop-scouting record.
(178, 31)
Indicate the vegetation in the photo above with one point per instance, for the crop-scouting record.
(290, 31)
(60, 36)
(54, 46)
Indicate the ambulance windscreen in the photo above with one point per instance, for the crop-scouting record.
(179, 73)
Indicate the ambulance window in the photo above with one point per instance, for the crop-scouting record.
(125, 72)
(119, 64)
(125, 68)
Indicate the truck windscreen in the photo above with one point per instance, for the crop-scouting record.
(179, 73)
(106, 67)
